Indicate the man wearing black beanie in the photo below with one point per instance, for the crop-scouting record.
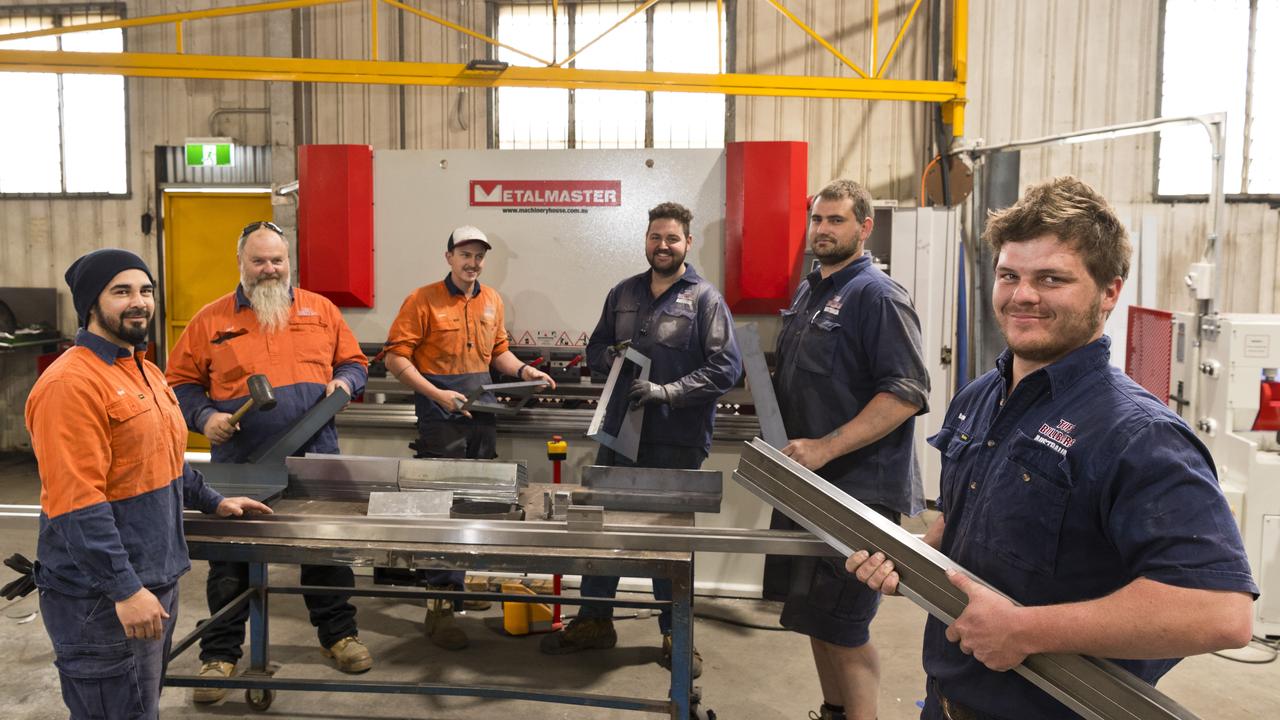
(109, 438)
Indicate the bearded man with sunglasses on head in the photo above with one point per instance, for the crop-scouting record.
(299, 340)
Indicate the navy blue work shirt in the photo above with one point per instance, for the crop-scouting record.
(687, 334)
(1071, 488)
(846, 339)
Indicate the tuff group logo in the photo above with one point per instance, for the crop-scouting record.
(541, 195)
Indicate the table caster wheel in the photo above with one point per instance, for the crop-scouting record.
(259, 699)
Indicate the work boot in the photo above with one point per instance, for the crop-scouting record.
(350, 655)
(695, 666)
(580, 634)
(828, 712)
(476, 605)
(441, 627)
(212, 669)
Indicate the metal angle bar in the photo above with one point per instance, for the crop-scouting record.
(639, 9)
(236, 603)
(492, 692)
(760, 384)
(816, 37)
(627, 441)
(522, 391)
(171, 18)
(902, 31)
(465, 31)
(288, 442)
(259, 482)
(1096, 689)
(506, 533)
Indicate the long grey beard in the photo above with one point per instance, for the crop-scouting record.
(271, 303)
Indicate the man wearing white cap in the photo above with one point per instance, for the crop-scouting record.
(442, 345)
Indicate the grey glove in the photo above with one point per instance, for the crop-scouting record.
(612, 352)
(644, 392)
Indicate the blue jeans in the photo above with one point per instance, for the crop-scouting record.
(105, 675)
(606, 586)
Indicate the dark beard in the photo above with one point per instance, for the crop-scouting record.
(131, 335)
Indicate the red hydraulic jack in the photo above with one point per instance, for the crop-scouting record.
(557, 452)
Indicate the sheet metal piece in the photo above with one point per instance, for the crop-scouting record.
(485, 480)
(427, 503)
(340, 477)
(525, 534)
(1096, 689)
(627, 440)
(260, 482)
(760, 383)
(660, 501)
(652, 479)
(290, 441)
(520, 392)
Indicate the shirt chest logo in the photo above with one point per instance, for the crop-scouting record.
(1057, 437)
(306, 312)
(490, 312)
(685, 298)
(834, 305)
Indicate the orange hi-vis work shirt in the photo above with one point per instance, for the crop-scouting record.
(224, 344)
(450, 338)
(109, 440)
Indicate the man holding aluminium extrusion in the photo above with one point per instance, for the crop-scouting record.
(442, 345)
(850, 379)
(1068, 487)
(681, 323)
(299, 340)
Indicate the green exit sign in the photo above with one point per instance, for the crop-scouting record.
(209, 154)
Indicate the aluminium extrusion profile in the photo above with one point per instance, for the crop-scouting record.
(627, 441)
(1096, 689)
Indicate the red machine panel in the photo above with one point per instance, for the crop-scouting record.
(765, 218)
(335, 222)
(1149, 350)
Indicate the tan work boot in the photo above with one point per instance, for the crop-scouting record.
(695, 666)
(350, 655)
(441, 627)
(212, 669)
(476, 604)
(581, 634)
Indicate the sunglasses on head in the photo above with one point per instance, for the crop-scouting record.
(254, 226)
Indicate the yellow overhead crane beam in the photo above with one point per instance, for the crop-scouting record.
(553, 74)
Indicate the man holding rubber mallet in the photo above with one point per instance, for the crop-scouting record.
(300, 343)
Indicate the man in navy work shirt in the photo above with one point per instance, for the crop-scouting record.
(681, 323)
(1069, 488)
(850, 379)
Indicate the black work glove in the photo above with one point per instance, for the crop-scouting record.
(25, 583)
(644, 392)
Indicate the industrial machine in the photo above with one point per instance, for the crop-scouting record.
(1224, 385)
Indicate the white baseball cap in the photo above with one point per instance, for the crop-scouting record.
(466, 234)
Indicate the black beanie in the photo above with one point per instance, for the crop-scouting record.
(89, 275)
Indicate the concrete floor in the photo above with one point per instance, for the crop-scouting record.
(753, 674)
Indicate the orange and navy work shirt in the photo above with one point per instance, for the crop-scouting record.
(223, 345)
(109, 438)
(450, 338)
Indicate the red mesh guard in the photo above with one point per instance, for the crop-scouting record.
(1148, 356)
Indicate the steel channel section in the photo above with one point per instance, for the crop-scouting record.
(602, 477)
(511, 533)
(760, 383)
(627, 441)
(1096, 689)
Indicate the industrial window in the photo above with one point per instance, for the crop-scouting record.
(668, 37)
(63, 134)
(1221, 55)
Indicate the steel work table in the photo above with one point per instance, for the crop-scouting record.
(259, 681)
